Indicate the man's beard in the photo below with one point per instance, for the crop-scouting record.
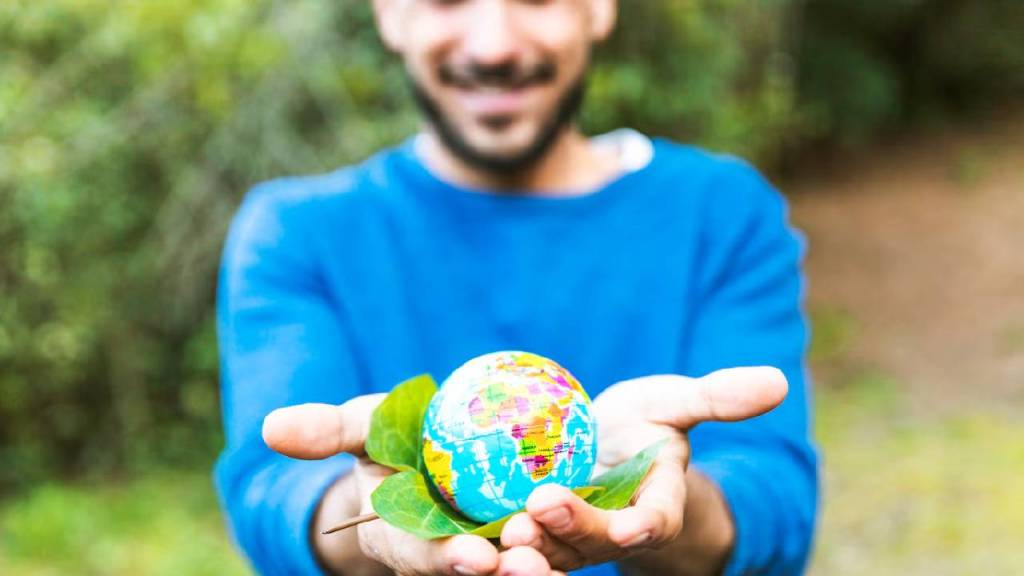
(501, 165)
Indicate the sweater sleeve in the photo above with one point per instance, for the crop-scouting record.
(749, 312)
(282, 343)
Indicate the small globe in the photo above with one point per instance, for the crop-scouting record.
(503, 424)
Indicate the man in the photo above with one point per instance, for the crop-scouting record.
(637, 264)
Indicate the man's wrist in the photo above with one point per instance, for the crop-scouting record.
(339, 502)
(713, 525)
(705, 542)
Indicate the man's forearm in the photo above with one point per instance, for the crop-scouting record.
(703, 545)
(339, 553)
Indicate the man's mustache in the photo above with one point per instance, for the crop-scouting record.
(508, 75)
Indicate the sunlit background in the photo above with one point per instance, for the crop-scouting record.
(129, 130)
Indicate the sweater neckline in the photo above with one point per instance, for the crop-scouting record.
(426, 182)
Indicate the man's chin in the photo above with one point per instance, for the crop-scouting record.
(515, 148)
(499, 150)
(501, 161)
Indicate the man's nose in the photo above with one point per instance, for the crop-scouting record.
(492, 36)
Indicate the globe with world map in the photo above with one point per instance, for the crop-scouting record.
(503, 424)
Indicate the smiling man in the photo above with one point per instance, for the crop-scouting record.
(651, 270)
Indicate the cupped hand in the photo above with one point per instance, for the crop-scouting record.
(632, 415)
(316, 431)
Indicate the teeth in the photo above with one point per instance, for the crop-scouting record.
(492, 90)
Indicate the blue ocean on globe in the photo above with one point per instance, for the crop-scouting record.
(503, 424)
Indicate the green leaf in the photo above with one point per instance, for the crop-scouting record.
(395, 427)
(621, 482)
(588, 491)
(405, 501)
(493, 529)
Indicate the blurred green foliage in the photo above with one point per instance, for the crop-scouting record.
(162, 524)
(871, 65)
(129, 131)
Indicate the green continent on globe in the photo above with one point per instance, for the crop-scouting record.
(503, 424)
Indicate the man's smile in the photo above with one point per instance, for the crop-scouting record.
(495, 103)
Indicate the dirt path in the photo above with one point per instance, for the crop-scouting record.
(920, 246)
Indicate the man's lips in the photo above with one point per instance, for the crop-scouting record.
(493, 102)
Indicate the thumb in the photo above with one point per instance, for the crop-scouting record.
(724, 396)
(316, 431)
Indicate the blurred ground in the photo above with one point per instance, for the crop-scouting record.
(917, 269)
(917, 263)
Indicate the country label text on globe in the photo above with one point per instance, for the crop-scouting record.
(503, 424)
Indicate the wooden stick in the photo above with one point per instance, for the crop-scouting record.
(354, 521)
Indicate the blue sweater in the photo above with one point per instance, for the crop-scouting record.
(347, 283)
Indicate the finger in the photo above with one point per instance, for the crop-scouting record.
(316, 431)
(523, 561)
(522, 530)
(725, 396)
(656, 517)
(460, 555)
(569, 518)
